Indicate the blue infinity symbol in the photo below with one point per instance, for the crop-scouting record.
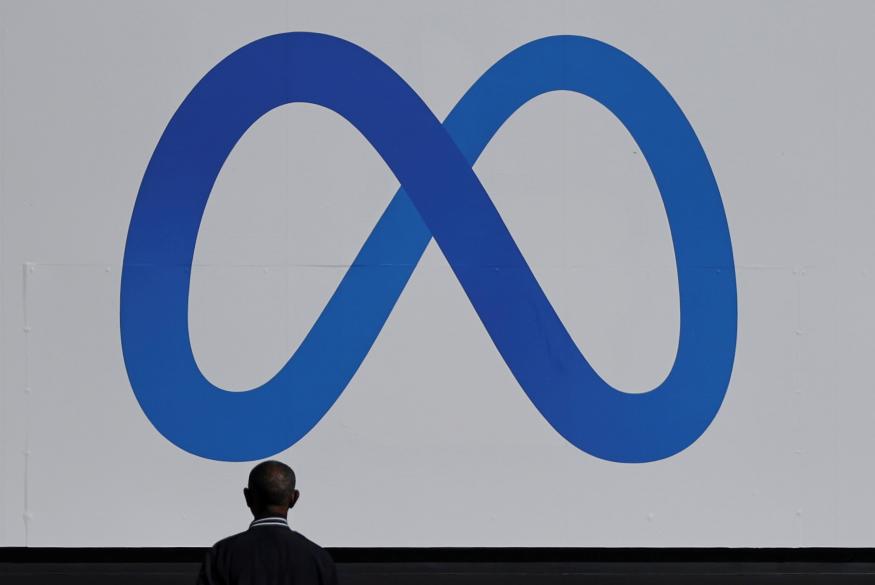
(440, 197)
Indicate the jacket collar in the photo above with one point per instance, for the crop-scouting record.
(269, 521)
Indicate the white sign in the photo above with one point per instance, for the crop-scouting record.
(439, 437)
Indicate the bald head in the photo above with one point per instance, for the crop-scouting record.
(271, 489)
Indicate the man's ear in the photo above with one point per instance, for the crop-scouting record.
(248, 497)
(295, 495)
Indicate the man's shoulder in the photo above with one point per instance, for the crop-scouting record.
(233, 540)
(309, 544)
(252, 537)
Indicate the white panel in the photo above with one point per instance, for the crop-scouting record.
(433, 443)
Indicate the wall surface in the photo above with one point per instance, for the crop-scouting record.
(435, 441)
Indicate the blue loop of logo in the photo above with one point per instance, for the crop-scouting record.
(441, 197)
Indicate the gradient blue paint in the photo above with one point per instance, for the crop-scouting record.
(442, 198)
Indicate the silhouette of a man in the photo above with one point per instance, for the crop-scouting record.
(269, 552)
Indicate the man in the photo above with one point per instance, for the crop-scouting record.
(269, 552)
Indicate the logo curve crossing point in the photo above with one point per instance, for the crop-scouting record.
(440, 197)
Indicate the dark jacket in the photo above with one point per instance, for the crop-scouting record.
(269, 553)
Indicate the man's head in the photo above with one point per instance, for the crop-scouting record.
(271, 490)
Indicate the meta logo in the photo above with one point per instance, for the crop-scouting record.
(440, 198)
